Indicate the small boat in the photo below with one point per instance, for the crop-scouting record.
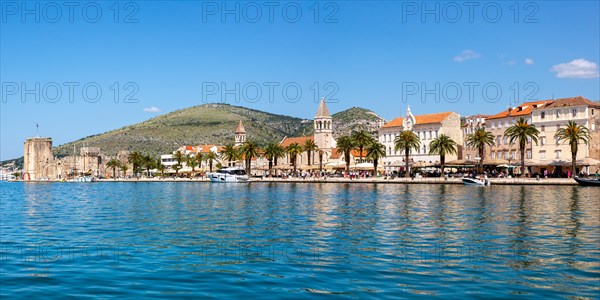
(232, 174)
(478, 182)
(587, 181)
(82, 179)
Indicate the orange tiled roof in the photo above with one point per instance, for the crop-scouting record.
(573, 101)
(335, 154)
(300, 140)
(356, 153)
(521, 110)
(421, 119)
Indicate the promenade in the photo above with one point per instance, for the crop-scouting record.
(425, 180)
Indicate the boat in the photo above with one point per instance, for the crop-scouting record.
(587, 181)
(232, 174)
(478, 182)
(87, 178)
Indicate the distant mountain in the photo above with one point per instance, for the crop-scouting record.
(212, 124)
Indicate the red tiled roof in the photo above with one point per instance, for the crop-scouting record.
(353, 153)
(300, 140)
(335, 154)
(573, 101)
(521, 110)
(421, 119)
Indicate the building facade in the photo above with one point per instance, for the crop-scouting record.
(427, 128)
(470, 124)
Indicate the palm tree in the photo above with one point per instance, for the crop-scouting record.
(406, 141)
(114, 164)
(321, 152)
(521, 132)
(124, 169)
(345, 145)
(442, 145)
(574, 134)
(210, 158)
(294, 150)
(249, 150)
(375, 151)
(179, 157)
(361, 139)
(230, 153)
(200, 158)
(479, 139)
(161, 168)
(310, 147)
(271, 152)
(135, 158)
(192, 162)
(148, 163)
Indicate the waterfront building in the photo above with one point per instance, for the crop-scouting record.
(498, 123)
(39, 162)
(549, 118)
(427, 128)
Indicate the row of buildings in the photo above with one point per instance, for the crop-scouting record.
(547, 155)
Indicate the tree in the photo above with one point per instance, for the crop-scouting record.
(574, 134)
(272, 152)
(179, 158)
(294, 150)
(160, 167)
(200, 158)
(124, 169)
(148, 163)
(210, 158)
(249, 150)
(345, 145)
(361, 139)
(375, 151)
(230, 153)
(192, 162)
(479, 139)
(442, 146)
(310, 147)
(406, 141)
(135, 158)
(114, 164)
(321, 152)
(521, 132)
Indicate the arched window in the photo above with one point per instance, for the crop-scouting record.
(424, 149)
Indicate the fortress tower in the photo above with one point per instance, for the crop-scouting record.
(323, 127)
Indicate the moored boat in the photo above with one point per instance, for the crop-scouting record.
(232, 174)
(87, 178)
(587, 181)
(478, 182)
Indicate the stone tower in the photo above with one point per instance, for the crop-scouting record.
(37, 156)
(323, 127)
(240, 134)
(409, 121)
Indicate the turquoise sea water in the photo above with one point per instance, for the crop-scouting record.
(133, 240)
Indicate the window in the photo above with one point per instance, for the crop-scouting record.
(468, 157)
(557, 114)
(543, 154)
(493, 126)
(543, 115)
(492, 155)
(389, 150)
(436, 133)
(506, 124)
(505, 140)
(529, 139)
(513, 154)
(557, 153)
(498, 139)
(528, 154)
(543, 141)
(505, 154)
(543, 128)
(574, 113)
(424, 149)
(429, 134)
(557, 141)
(592, 111)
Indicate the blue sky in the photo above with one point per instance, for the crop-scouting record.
(377, 55)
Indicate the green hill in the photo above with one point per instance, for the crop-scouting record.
(211, 124)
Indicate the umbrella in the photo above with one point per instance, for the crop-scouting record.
(587, 162)
(560, 163)
(495, 162)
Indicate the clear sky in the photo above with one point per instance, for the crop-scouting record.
(164, 56)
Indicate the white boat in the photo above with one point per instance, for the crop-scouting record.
(88, 178)
(7, 177)
(232, 174)
(478, 182)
